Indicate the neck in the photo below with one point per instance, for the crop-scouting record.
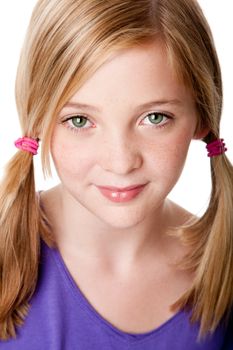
(79, 233)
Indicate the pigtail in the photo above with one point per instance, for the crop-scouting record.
(20, 222)
(211, 253)
(215, 271)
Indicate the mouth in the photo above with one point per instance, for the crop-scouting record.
(121, 194)
(121, 189)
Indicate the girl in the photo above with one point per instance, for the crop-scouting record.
(115, 91)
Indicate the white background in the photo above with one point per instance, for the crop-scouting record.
(193, 188)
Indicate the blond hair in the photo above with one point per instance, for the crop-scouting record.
(66, 42)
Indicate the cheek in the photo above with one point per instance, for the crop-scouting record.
(167, 158)
(70, 159)
(176, 156)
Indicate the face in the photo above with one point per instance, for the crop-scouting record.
(136, 130)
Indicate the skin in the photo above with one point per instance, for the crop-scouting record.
(121, 147)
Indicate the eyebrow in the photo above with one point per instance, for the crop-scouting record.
(87, 107)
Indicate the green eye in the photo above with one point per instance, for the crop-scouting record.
(79, 121)
(156, 118)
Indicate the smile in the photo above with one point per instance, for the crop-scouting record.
(121, 195)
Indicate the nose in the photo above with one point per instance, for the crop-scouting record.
(120, 154)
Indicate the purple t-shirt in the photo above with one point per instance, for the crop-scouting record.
(61, 318)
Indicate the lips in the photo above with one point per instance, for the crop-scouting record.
(121, 195)
(121, 189)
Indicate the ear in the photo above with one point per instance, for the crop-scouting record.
(200, 134)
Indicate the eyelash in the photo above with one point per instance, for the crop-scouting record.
(82, 129)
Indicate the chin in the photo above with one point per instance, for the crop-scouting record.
(117, 220)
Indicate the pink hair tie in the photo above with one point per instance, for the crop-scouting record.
(27, 144)
(216, 147)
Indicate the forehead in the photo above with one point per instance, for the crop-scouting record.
(137, 73)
